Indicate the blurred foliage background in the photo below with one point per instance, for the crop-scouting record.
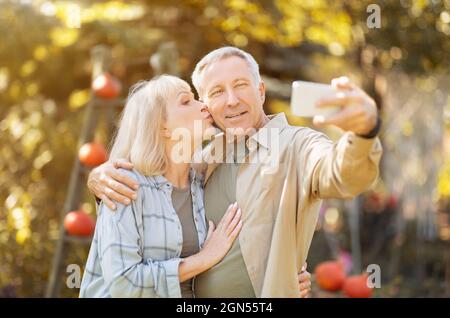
(45, 74)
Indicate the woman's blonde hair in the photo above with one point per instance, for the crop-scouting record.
(139, 135)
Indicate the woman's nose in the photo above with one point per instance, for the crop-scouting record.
(203, 108)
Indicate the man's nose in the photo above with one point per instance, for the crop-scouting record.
(232, 99)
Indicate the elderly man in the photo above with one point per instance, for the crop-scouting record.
(280, 207)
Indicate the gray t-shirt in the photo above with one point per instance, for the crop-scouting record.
(182, 202)
(229, 278)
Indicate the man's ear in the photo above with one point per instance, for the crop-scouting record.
(262, 91)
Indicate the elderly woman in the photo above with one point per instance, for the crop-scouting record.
(154, 246)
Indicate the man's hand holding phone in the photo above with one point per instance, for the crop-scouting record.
(342, 104)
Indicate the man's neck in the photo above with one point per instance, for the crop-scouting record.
(263, 120)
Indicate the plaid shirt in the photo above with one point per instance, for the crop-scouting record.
(136, 250)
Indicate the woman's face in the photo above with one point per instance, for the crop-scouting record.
(185, 113)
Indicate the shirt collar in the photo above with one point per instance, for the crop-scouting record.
(161, 182)
(262, 136)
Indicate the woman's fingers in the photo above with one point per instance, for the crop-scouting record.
(210, 230)
(236, 231)
(226, 219)
(234, 222)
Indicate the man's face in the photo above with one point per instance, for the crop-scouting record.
(231, 94)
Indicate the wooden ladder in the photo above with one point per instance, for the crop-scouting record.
(100, 56)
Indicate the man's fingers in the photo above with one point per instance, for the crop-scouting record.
(94, 180)
(348, 119)
(353, 123)
(342, 99)
(304, 277)
(123, 163)
(305, 265)
(123, 178)
(305, 293)
(305, 285)
(339, 119)
(113, 195)
(343, 82)
(120, 187)
(110, 204)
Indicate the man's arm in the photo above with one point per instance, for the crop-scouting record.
(343, 169)
(107, 183)
(348, 167)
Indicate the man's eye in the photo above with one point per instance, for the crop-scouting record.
(242, 84)
(186, 102)
(216, 93)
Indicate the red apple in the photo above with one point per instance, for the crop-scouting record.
(356, 287)
(79, 223)
(106, 86)
(330, 275)
(92, 154)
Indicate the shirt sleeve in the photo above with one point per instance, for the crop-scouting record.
(341, 169)
(124, 269)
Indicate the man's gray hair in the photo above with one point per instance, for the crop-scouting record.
(220, 54)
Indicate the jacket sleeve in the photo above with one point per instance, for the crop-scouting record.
(341, 169)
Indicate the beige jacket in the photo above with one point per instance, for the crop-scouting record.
(280, 209)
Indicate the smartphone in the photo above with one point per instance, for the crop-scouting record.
(306, 94)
